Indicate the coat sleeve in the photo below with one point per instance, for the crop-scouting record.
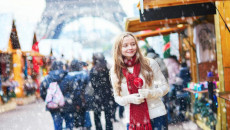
(121, 100)
(160, 84)
(163, 67)
(92, 78)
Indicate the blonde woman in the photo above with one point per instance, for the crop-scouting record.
(138, 85)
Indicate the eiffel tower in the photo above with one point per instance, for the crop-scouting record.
(58, 13)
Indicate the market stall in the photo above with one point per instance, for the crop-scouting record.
(33, 68)
(18, 74)
(8, 78)
(204, 73)
(223, 51)
(32, 62)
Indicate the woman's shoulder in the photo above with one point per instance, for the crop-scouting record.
(111, 71)
(113, 74)
(151, 61)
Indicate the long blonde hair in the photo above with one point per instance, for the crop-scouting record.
(146, 70)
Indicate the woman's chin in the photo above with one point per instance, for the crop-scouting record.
(129, 56)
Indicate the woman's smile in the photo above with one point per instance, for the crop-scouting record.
(129, 47)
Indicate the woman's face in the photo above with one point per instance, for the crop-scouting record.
(128, 47)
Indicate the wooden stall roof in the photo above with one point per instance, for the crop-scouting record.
(31, 53)
(24, 53)
(135, 25)
(165, 3)
(14, 37)
(34, 39)
(5, 52)
(160, 32)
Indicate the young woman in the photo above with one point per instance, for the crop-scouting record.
(138, 85)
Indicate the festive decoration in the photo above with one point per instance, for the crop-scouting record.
(202, 107)
(166, 48)
(35, 58)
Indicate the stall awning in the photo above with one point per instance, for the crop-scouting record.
(5, 52)
(160, 32)
(148, 4)
(31, 53)
(158, 10)
(135, 25)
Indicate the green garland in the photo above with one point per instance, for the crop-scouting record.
(202, 107)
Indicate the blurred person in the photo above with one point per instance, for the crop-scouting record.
(175, 83)
(29, 86)
(184, 96)
(56, 74)
(36, 83)
(138, 85)
(184, 74)
(173, 67)
(153, 55)
(0, 84)
(1, 92)
(121, 111)
(73, 87)
(85, 66)
(103, 99)
(114, 112)
(67, 65)
(88, 97)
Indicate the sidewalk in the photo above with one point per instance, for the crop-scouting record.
(27, 117)
(34, 117)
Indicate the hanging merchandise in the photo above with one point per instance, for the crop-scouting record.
(204, 38)
(202, 85)
(35, 58)
(29, 65)
(5, 65)
(166, 48)
(26, 68)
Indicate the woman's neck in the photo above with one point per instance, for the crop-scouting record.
(128, 58)
(130, 62)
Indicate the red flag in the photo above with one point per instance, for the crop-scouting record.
(35, 58)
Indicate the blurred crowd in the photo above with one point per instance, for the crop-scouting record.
(84, 89)
(87, 87)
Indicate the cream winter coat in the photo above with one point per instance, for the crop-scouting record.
(155, 105)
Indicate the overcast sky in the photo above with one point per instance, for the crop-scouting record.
(28, 13)
(26, 10)
(31, 10)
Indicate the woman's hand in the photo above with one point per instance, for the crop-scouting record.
(146, 93)
(134, 99)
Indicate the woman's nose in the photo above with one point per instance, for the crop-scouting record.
(130, 47)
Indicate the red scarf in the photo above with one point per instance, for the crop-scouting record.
(139, 114)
